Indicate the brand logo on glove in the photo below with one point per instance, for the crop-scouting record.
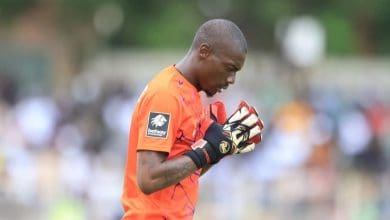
(158, 125)
(224, 147)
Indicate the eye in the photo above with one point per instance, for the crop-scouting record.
(231, 69)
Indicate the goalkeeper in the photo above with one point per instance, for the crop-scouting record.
(173, 139)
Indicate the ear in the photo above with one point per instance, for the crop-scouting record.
(204, 50)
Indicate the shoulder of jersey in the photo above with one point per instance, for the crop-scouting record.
(162, 81)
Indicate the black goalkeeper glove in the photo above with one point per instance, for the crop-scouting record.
(237, 135)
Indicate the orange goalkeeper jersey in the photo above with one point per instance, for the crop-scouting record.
(168, 117)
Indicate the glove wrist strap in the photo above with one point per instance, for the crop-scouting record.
(204, 154)
(198, 156)
(208, 150)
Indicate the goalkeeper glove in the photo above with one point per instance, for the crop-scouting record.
(250, 144)
(237, 135)
(217, 112)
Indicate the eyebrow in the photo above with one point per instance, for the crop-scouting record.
(233, 64)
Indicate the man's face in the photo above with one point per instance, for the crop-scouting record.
(219, 69)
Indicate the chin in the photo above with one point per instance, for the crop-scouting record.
(210, 94)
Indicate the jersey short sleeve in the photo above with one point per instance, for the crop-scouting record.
(158, 118)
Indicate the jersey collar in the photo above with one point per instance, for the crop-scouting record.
(183, 81)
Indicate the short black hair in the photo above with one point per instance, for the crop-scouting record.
(214, 32)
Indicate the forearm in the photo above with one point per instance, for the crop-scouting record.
(165, 173)
(172, 171)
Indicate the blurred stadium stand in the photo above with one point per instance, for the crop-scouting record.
(71, 71)
(325, 152)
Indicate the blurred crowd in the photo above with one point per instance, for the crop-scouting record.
(63, 157)
(71, 72)
(324, 156)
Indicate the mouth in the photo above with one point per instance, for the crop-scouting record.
(221, 89)
(211, 93)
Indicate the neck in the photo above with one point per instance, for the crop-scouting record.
(186, 68)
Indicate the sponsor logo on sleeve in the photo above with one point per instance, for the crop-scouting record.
(158, 124)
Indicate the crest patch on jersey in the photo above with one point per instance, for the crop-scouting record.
(158, 124)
